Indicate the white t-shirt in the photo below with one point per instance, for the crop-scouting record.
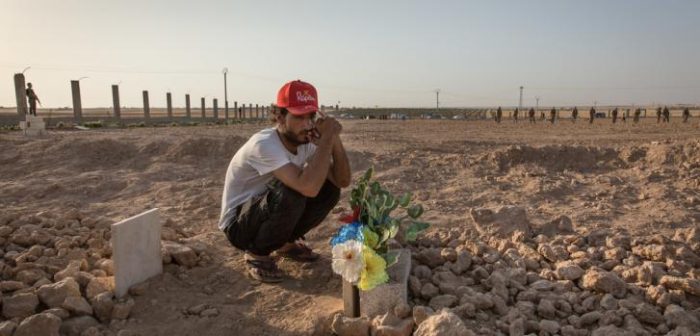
(251, 169)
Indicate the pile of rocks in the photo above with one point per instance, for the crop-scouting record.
(552, 280)
(56, 275)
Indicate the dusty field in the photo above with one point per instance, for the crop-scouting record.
(637, 180)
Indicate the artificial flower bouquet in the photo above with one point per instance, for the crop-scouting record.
(360, 252)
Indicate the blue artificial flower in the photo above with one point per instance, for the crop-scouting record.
(347, 232)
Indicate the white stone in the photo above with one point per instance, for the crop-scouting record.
(136, 250)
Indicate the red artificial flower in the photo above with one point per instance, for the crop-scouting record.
(349, 218)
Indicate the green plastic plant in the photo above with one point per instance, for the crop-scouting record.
(375, 208)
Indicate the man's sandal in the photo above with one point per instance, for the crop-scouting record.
(264, 270)
(299, 252)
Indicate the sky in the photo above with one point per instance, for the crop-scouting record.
(360, 53)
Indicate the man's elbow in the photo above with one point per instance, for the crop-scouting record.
(309, 193)
(343, 183)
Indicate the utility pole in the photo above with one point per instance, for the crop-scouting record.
(520, 103)
(225, 71)
(437, 100)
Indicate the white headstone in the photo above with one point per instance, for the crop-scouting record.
(33, 125)
(136, 250)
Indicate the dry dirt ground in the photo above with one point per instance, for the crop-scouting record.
(640, 178)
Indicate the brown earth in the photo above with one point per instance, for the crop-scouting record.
(636, 178)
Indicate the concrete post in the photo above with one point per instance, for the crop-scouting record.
(169, 102)
(77, 103)
(21, 95)
(257, 113)
(115, 102)
(216, 110)
(188, 111)
(226, 110)
(243, 111)
(235, 110)
(204, 114)
(146, 107)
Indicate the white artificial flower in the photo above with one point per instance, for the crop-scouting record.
(348, 261)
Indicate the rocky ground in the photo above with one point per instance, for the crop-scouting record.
(568, 229)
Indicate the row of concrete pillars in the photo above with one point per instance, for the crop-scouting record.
(256, 111)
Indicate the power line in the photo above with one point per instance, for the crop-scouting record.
(616, 88)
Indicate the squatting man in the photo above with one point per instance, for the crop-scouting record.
(283, 182)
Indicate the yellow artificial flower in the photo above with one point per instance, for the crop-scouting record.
(370, 237)
(374, 272)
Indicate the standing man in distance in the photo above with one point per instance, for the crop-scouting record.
(33, 99)
(283, 182)
(637, 114)
(553, 115)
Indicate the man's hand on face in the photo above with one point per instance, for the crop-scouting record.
(327, 127)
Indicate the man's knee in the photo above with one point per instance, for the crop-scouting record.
(331, 193)
(286, 198)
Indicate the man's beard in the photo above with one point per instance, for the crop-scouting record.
(293, 138)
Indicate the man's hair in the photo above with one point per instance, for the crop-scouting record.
(277, 111)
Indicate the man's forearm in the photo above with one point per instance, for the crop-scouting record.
(314, 175)
(341, 164)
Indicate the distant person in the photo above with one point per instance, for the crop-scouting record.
(614, 115)
(667, 114)
(515, 115)
(686, 114)
(531, 115)
(499, 114)
(552, 115)
(574, 114)
(542, 117)
(637, 114)
(33, 99)
(283, 182)
(591, 115)
(658, 114)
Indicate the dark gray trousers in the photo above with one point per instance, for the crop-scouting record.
(265, 223)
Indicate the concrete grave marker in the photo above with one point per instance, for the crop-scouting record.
(136, 250)
(384, 298)
(33, 125)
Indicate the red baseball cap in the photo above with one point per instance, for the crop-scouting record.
(298, 97)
